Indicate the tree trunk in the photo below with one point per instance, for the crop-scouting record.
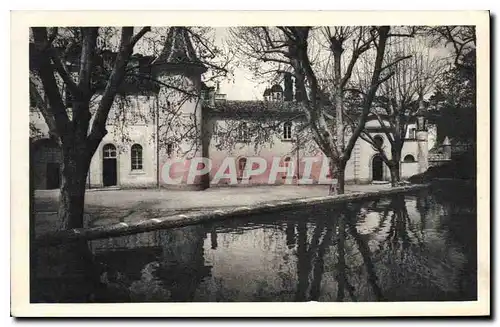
(337, 172)
(395, 168)
(72, 198)
(81, 275)
(395, 174)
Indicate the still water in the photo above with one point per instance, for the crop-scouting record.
(413, 247)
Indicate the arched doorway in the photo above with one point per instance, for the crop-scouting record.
(46, 162)
(377, 168)
(109, 175)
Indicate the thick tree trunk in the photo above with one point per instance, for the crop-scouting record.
(395, 174)
(72, 198)
(337, 172)
(395, 168)
(81, 282)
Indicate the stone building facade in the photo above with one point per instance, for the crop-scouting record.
(134, 153)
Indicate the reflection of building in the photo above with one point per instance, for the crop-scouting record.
(134, 155)
(173, 260)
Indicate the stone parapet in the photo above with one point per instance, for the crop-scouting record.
(193, 218)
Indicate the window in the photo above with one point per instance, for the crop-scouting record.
(136, 158)
(109, 151)
(409, 158)
(411, 133)
(243, 132)
(242, 164)
(287, 131)
(170, 149)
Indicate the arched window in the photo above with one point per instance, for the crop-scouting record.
(287, 131)
(242, 164)
(409, 158)
(109, 151)
(136, 157)
(287, 161)
(243, 132)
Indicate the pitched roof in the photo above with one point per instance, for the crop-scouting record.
(248, 109)
(178, 50)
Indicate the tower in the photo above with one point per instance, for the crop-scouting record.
(422, 138)
(179, 71)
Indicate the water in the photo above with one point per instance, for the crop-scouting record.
(416, 247)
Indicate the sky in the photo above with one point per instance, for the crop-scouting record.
(242, 85)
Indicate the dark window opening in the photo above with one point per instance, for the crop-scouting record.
(287, 131)
(409, 158)
(136, 158)
(243, 132)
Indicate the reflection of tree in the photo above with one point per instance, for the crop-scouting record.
(364, 250)
(311, 257)
(341, 276)
(398, 238)
(329, 232)
(182, 266)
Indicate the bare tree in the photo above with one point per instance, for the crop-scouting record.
(76, 135)
(402, 97)
(275, 50)
(77, 78)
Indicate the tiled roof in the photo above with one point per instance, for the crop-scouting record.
(254, 108)
(178, 49)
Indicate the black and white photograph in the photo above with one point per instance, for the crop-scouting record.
(260, 164)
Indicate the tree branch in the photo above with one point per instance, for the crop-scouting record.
(395, 62)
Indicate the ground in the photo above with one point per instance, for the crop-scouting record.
(104, 207)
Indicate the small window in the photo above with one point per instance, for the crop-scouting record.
(287, 161)
(170, 149)
(412, 133)
(243, 132)
(136, 158)
(287, 131)
(409, 158)
(109, 151)
(242, 164)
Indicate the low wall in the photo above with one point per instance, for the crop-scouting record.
(193, 218)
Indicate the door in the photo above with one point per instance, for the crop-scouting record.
(377, 168)
(53, 175)
(109, 172)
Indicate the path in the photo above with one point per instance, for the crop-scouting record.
(104, 207)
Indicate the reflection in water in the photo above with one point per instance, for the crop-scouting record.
(404, 248)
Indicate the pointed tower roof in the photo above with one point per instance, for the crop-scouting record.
(178, 54)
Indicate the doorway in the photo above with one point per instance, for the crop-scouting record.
(377, 168)
(109, 163)
(53, 175)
